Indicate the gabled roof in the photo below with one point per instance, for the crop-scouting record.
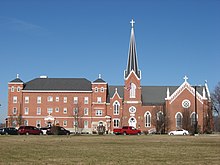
(59, 84)
(111, 92)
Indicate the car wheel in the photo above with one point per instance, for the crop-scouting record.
(6, 133)
(27, 133)
(124, 133)
(184, 133)
(67, 133)
(138, 133)
(171, 134)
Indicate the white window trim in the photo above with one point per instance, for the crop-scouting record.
(145, 115)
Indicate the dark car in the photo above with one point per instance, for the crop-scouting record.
(29, 130)
(57, 130)
(9, 131)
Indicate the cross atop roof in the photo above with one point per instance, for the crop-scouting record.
(132, 22)
(185, 78)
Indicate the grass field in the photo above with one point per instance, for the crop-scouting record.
(89, 149)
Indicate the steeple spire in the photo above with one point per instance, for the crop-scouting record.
(132, 64)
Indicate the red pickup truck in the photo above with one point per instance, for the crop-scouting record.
(126, 130)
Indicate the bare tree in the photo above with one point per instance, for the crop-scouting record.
(215, 96)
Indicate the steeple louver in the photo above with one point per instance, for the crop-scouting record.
(132, 55)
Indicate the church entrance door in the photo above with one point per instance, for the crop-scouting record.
(132, 122)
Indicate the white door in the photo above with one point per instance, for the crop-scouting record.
(132, 122)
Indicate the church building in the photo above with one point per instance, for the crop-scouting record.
(81, 105)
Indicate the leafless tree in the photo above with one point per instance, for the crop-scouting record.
(216, 107)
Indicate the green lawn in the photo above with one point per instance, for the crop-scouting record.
(90, 149)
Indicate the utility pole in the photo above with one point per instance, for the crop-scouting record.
(196, 122)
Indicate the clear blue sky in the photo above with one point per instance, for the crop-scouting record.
(84, 38)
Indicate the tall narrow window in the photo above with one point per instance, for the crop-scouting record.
(26, 99)
(38, 111)
(86, 100)
(49, 98)
(12, 89)
(193, 118)
(65, 110)
(86, 123)
(178, 120)
(147, 119)
(18, 89)
(38, 99)
(75, 100)
(116, 123)
(99, 99)
(38, 123)
(65, 99)
(49, 110)
(116, 107)
(14, 110)
(26, 111)
(15, 99)
(26, 122)
(64, 123)
(86, 111)
(132, 90)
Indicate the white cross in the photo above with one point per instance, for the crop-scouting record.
(132, 23)
(185, 78)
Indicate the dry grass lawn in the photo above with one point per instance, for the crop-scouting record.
(89, 149)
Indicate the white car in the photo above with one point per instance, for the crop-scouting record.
(179, 132)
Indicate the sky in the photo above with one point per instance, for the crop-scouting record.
(84, 38)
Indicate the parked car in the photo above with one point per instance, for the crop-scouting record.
(29, 130)
(179, 132)
(126, 130)
(57, 130)
(44, 130)
(9, 131)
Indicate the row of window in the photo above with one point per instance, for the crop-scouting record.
(65, 123)
(57, 109)
(101, 89)
(50, 99)
(13, 89)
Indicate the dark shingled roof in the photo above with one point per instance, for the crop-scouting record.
(152, 95)
(99, 80)
(111, 92)
(17, 80)
(64, 84)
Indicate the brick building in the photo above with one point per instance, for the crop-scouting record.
(81, 105)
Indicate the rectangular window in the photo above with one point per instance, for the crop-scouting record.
(86, 111)
(57, 99)
(49, 110)
(38, 111)
(38, 99)
(26, 122)
(75, 100)
(65, 110)
(38, 123)
(56, 109)
(26, 99)
(98, 112)
(102, 89)
(64, 123)
(86, 124)
(18, 89)
(14, 110)
(75, 111)
(26, 111)
(116, 123)
(15, 99)
(65, 99)
(86, 100)
(49, 98)
(99, 99)
(12, 89)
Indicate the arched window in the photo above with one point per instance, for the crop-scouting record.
(132, 90)
(193, 118)
(179, 118)
(116, 107)
(147, 116)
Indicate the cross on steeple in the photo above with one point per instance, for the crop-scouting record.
(132, 22)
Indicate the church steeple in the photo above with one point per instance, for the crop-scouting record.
(132, 64)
